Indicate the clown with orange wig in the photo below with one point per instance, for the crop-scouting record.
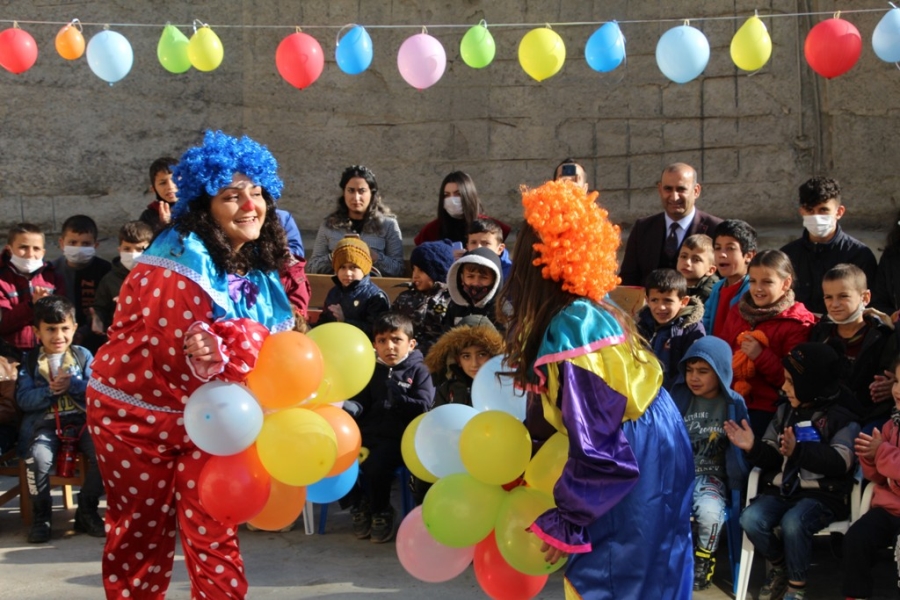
(623, 502)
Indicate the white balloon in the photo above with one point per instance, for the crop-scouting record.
(110, 56)
(437, 438)
(682, 53)
(491, 391)
(222, 418)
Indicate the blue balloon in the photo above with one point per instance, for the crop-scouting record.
(354, 51)
(682, 53)
(493, 392)
(110, 56)
(605, 49)
(332, 489)
(886, 37)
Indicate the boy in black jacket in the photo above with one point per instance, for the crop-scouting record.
(399, 391)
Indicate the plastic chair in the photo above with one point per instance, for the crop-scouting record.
(747, 550)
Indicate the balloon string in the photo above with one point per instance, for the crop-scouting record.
(337, 36)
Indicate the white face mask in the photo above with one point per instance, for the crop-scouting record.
(819, 226)
(453, 206)
(26, 265)
(852, 318)
(129, 259)
(79, 255)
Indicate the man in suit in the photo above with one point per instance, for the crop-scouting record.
(654, 241)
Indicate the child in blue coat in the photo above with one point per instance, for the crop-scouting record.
(354, 299)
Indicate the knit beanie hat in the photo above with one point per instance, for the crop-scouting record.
(352, 250)
(434, 259)
(815, 369)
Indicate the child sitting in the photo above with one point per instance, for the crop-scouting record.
(761, 328)
(427, 299)
(879, 456)
(806, 456)
(456, 358)
(159, 212)
(863, 337)
(734, 245)
(134, 237)
(474, 281)
(399, 391)
(354, 299)
(51, 393)
(81, 270)
(696, 262)
(705, 399)
(24, 279)
(671, 321)
(486, 233)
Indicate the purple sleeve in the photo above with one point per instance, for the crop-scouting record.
(601, 468)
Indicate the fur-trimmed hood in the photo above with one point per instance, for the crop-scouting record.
(484, 257)
(444, 351)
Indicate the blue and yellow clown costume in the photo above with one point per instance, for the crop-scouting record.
(623, 501)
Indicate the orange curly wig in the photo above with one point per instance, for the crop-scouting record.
(578, 242)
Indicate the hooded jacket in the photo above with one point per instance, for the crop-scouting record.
(455, 386)
(360, 302)
(717, 353)
(669, 341)
(460, 303)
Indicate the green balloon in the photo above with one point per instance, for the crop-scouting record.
(477, 47)
(460, 511)
(172, 50)
(521, 548)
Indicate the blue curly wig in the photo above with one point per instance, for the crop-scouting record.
(208, 168)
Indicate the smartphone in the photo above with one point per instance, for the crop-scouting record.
(569, 170)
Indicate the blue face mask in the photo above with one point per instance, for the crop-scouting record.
(79, 255)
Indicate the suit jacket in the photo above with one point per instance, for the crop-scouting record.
(644, 249)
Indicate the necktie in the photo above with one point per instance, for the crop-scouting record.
(671, 247)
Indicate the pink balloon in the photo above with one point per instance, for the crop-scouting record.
(421, 61)
(424, 558)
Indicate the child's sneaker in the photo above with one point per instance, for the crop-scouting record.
(383, 527)
(362, 520)
(795, 594)
(704, 566)
(776, 584)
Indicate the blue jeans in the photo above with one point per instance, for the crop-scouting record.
(800, 519)
(708, 509)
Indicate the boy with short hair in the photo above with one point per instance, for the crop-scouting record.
(706, 401)
(696, 262)
(486, 233)
(399, 391)
(734, 246)
(134, 238)
(807, 462)
(671, 321)
(354, 299)
(456, 358)
(158, 213)
(82, 270)
(428, 297)
(51, 388)
(823, 243)
(473, 281)
(25, 278)
(863, 337)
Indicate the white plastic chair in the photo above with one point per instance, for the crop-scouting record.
(747, 549)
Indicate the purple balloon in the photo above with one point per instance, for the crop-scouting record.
(421, 61)
(423, 557)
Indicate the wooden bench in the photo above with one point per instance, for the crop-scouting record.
(320, 285)
(21, 488)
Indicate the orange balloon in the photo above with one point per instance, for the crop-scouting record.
(288, 370)
(284, 506)
(349, 440)
(70, 42)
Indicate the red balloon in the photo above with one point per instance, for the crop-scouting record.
(234, 489)
(499, 580)
(18, 50)
(299, 59)
(832, 47)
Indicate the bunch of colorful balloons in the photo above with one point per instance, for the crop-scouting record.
(279, 439)
(487, 490)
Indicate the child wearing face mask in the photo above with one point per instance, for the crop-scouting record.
(823, 243)
(865, 340)
(81, 270)
(473, 281)
(134, 237)
(24, 279)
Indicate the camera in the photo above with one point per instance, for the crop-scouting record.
(569, 170)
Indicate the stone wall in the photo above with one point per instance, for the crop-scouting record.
(71, 143)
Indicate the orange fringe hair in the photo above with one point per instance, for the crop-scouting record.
(578, 242)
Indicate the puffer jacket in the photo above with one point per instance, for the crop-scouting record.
(671, 340)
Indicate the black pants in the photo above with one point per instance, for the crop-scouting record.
(873, 532)
(377, 472)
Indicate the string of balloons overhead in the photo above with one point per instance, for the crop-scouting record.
(832, 47)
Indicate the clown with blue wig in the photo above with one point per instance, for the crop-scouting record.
(196, 307)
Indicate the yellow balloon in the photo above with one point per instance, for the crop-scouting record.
(495, 447)
(297, 446)
(408, 449)
(542, 53)
(205, 49)
(547, 465)
(751, 46)
(349, 361)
